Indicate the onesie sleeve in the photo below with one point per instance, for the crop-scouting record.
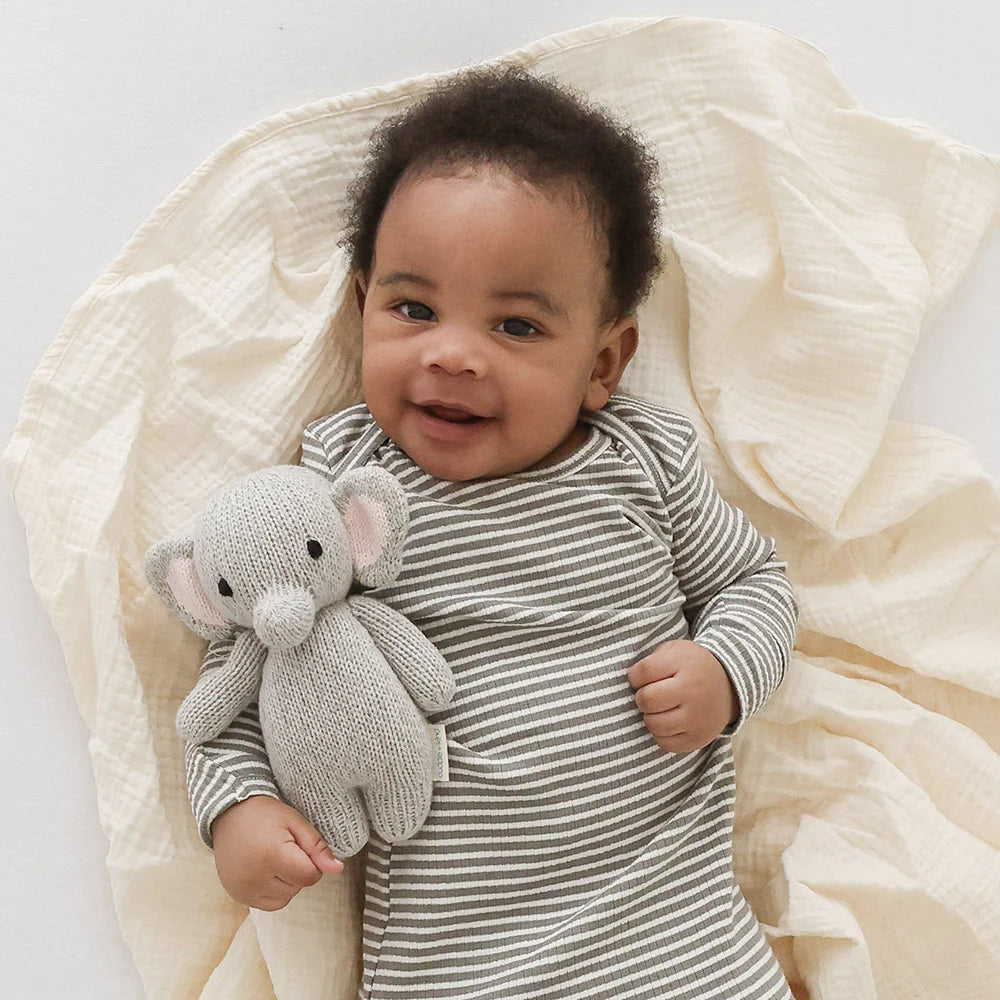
(234, 765)
(231, 767)
(739, 602)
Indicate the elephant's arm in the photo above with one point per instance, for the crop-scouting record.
(224, 691)
(232, 767)
(414, 658)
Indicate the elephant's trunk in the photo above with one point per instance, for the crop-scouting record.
(284, 618)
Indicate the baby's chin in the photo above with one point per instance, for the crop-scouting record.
(454, 470)
(462, 469)
(456, 467)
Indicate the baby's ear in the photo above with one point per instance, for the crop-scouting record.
(171, 572)
(373, 506)
(619, 343)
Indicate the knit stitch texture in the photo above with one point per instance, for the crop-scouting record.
(340, 678)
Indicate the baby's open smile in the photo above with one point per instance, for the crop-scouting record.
(450, 422)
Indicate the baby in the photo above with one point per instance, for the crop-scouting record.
(610, 620)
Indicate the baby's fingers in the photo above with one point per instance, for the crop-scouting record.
(660, 696)
(673, 732)
(309, 841)
(676, 732)
(275, 894)
(680, 743)
(665, 724)
(294, 867)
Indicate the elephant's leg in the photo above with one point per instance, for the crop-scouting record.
(341, 820)
(398, 801)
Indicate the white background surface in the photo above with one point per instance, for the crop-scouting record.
(108, 107)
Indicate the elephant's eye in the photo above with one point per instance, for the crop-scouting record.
(224, 587)
(315, 549)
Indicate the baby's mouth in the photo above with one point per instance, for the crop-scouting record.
(452, 414)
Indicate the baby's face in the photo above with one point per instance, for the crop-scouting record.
(482, 337)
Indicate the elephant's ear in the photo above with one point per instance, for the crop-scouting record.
(171, 572)
(376, 516)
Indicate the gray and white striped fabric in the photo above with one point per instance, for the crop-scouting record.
(567, 856)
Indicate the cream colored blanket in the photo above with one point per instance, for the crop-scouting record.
(811, 241)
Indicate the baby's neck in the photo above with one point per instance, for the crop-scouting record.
(564, 449)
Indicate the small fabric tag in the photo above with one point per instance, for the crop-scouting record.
(439, 745)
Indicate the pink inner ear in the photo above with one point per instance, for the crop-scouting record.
(182, 579)
(366, 526)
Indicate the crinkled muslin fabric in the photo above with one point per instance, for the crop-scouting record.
(808, 243)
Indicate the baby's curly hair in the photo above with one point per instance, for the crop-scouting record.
(541, 132)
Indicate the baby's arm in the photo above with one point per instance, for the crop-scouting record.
(739, 602)
(231, 767)
(741, 610)
(265, 851)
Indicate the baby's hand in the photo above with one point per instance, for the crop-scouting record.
(265, 852)
(684, 694)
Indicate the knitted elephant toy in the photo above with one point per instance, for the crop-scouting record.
(272, 558)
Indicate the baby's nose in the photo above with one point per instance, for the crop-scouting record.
(457, 351)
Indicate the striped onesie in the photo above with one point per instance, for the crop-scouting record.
(567, 855)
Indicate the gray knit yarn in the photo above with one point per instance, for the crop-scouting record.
(338, 678)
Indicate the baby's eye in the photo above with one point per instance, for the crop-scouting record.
(416, 307)
(518, 327)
